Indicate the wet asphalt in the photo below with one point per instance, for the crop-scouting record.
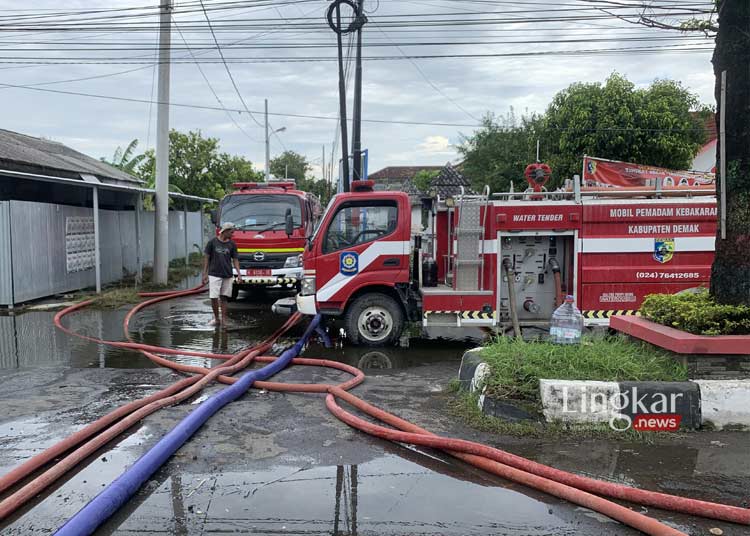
(274, 463)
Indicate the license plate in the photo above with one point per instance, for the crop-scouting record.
(263, 271)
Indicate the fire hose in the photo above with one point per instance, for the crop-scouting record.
(565, 485)
(512, 303)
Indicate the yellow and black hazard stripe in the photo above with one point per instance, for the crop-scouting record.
(465, 315)
(604, 314)
(268, 280)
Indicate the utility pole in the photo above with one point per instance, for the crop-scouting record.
(342, 103)
(323, 165)
(357, 112)
(268, 148)
(161, 224)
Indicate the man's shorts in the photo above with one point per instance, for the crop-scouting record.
(219, 286)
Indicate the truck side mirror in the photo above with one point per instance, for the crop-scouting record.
(214, 216)
(289, 220)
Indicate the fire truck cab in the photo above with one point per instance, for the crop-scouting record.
(273, 220)
(492, 261)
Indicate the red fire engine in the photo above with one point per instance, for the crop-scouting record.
(273, 220)
(487, 261)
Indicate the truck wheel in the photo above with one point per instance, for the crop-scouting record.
(374, 320)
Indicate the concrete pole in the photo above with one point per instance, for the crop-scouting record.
(161, 222)
(268, 148)
(138, 251)
(357, 112)
(200, 223)
(97, 253)
(323, 165)
(185, 226)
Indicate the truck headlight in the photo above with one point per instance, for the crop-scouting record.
(295, 261)
(308, 286)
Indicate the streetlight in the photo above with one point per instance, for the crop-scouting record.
(268, 145)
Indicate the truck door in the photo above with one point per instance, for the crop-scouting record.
(362, 244)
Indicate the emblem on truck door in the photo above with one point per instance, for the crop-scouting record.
(349, 263)
(663, 249)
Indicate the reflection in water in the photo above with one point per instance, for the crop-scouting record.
(31, 340)
(346, 485)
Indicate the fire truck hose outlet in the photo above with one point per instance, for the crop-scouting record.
(512, 304)
(555, 266)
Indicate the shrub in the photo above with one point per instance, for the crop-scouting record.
(698, 313)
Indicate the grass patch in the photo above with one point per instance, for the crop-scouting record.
(464, 407)
(516, 366)
(125, 292)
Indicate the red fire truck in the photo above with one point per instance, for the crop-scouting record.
(489, 261)
(273, 220)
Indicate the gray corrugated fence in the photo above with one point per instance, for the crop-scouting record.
(6, 279)
(33, 247)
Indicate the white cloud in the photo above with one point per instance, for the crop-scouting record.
(436, 145)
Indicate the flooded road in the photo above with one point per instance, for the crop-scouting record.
(273, 463)
(30, 339)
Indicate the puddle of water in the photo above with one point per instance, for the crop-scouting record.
(31, 340)
(388, 495)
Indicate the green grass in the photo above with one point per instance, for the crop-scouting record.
(125, 292)
(516, 366)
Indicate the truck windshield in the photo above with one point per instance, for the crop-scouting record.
(260, 211)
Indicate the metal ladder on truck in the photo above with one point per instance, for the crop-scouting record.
(468, 266)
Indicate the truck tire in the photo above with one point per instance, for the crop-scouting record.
(374, 320)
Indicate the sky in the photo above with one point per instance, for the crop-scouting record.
(112, 44)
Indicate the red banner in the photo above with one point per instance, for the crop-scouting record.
(598, 172)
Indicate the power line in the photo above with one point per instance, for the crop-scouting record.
(229, 72)
(210, 86)
(300, 116)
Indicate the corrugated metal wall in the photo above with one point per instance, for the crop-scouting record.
(37, 243)
(6, 271)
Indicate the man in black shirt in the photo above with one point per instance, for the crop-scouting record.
(220, 255)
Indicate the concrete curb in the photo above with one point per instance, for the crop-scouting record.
(716, 403)
(472, 375)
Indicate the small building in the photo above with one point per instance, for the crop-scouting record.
(69, 221)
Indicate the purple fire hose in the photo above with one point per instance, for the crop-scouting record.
(101, 507)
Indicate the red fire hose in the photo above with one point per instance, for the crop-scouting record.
(577, 489)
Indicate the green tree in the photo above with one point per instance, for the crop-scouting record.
(290, 164)
(498, 153)
(730, 274)
(197, 167)
(423, 179)
(652, 126)
(124, 159)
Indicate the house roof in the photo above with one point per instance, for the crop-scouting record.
(19, 152)
(447, 183)
(709, 123)
(400, 173)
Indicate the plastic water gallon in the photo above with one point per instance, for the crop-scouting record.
(566, 325)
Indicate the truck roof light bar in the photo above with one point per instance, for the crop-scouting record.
(285, 185)
(363, 186)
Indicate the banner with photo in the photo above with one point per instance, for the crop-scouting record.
(598, 172)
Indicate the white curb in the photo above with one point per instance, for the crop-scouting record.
(725, 402)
